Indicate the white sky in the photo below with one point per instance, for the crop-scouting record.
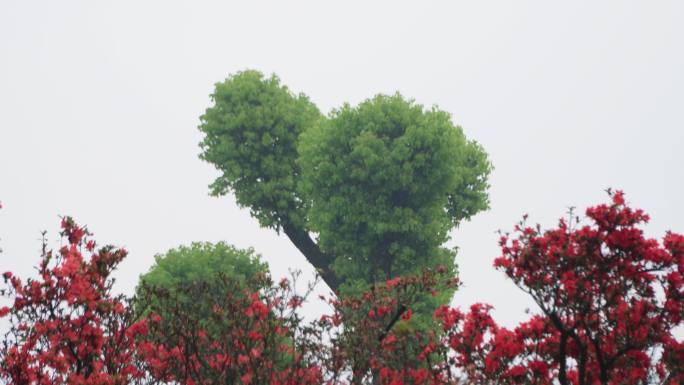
(99, 104)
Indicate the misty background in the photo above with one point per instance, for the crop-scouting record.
(100, 102)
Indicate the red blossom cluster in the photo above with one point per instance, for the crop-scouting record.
(233, 335)
(259, 337)
(609, 301)
(66, 327)
(377, 342)
(609, 296)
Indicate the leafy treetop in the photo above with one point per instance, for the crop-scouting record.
(380, 184)
(251, 135)
(180, 268)
(201, 261)
(386, 181)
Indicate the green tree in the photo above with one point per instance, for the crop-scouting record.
(366, 193)
(251, 136)
(220, 271)
(200, 262)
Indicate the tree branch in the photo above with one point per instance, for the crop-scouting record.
(321, 261)
(394, 320)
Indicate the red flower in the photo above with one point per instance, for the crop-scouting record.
(407, 315)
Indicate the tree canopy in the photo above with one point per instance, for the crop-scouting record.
(202, 261)
(184, 266)
(386, 181)
(365, 193)
(251, 135)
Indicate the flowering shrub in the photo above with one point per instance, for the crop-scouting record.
(377, 341)
(259, 337)
(609, 301)
(611, 296)
(66, 327)
(249, 337)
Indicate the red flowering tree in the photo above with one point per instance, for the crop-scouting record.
(250, 337)
(65, 326)
(611, 296)
(371, 338)
(476, 350)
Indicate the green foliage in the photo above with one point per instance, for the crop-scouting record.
(201, 262)
(386, 182)
(380, 184)
(220, 272)
(251, 135)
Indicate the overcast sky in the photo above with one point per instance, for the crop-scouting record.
(99, 107)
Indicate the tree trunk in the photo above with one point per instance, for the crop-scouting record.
(321, 261)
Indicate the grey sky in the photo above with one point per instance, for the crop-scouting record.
(99, 103)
